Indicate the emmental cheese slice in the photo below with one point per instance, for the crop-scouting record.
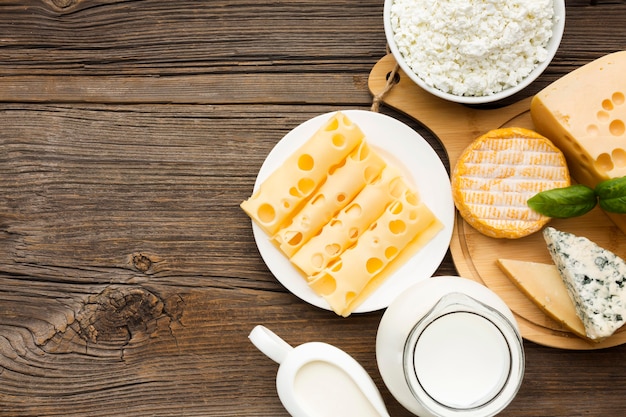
(496, 175)
(595, 279)
(362, 167)
(348, 225)
(584, 114)
(543, 285)
(344, 280)
(291, 184)
(342, 214)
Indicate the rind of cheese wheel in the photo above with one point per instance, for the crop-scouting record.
(344, 280)
(584, 114)
(302, 173)
(496, 175)
(347, 226)
(361, 167)
(543, 285)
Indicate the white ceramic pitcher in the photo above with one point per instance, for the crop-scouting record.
(319, 380)
(449, 347)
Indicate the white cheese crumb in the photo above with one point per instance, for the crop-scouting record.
(472, 47)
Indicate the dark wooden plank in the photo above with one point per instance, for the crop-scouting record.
(130, 132)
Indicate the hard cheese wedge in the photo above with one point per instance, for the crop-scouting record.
(543, 285)
(595, 279)
(584, 114)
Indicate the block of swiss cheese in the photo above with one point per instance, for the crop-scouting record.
(584, 115)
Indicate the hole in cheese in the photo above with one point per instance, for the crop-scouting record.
(332, 249)
(603, 116)
(617, 127)
(266, 213)
(339, 140)
(619, 157)
(294, 191)
(353, 211)
(391, 252)
(353, 233)
(305, 222)
(341, 197)
(306, 162)
(333, 124)
(317, 260)
(346, 120)
(604, 162)
(374, 265)
(395, 207)
(306, 185)
(412, 198)
(618, 98)
(593, 130)
(294, 238)
(397, 227)
(370, 174)
(607, 104)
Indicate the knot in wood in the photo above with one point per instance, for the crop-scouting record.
(143, 262)
(63, 4)
(117, 313)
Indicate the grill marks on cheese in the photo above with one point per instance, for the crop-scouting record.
(350, 221)
(497, 174)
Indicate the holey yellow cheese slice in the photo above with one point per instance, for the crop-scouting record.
(584, 114)
(290, 185)
(361, 167)
(346, 227)
(342, 282)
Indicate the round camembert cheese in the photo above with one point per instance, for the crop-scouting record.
(496, 175)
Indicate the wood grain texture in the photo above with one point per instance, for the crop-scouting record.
(130, 131)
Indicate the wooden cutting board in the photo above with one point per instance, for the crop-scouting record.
(474, 254)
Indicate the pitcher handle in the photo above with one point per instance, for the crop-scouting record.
(270, 343)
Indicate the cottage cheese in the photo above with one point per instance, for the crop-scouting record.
(472, 47)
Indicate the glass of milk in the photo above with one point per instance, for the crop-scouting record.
(450, 347)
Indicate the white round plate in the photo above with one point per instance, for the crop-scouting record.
(401, 146)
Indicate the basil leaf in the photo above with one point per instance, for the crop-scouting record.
(612, 195)
(565, 202)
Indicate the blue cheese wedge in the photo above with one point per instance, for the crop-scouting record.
(595, 279)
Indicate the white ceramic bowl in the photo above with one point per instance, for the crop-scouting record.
(552, 46)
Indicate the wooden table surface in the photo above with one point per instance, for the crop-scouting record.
(130, 132)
